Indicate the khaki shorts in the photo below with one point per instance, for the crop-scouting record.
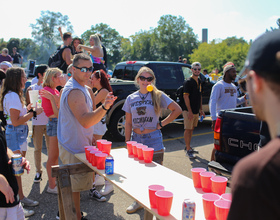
(190, 124)
(79, 182)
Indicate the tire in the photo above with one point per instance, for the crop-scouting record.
(117, 125)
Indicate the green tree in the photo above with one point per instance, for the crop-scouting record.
(111, 40)
(45, 32)
(3, 44)
(29, 50)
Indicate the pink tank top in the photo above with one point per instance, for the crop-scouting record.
(46, 104)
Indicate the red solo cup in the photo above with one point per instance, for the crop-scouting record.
(94, 159)
(205, 180)
(219, 184)
(140, 151)
(226, 197)
(98, 143)
(222, 209)
(196, 177)
(164, 202)
(208, 200)
(91, 155)
(148, 154)
(134, 149)
(129, 146)
(100, 160)
(106, 147)
(152, 194)
(87, 150)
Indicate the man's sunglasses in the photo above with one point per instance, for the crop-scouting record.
(85, 69)
(196, 69)
(143, 78)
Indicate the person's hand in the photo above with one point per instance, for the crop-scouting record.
(202, 113)
(46, 94)
(59, 29)
(6, 189)
(93, 141)
(25, 164)
(79, 47)
(29, 106)
(39, 110)
(213, 124)
(63, 80)
(109, 100)
(190, 116)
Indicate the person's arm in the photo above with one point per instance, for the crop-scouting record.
(66, 54)
(21, 59)
(201, 112)
(100, 97)
(60, 32)
(175, 112)
(27, 98)
(77, 104)
(54, 99)
(89, 49)
(128, 126)
(6, 189)
(20, 120)
(213, 105)
(188, 105)
(92, 98)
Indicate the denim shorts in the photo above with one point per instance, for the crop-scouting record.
(16, 136)
(52, 127)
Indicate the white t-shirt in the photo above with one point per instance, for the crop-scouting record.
(34, 81)
(12, 101)
(42, 119)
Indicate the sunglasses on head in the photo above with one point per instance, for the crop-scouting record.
(196, 69)
(149, 79)
(85, 69)
(99, 74)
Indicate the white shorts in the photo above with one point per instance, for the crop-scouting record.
(23, 147)
(12, 213)
(100, 128)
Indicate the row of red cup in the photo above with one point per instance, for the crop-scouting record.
(208, 181)
(97, 155)
(160, 199)
(140, 151)
(216, 206)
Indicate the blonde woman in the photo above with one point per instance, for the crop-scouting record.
(96, 52)
(50, 103)
(142, 111)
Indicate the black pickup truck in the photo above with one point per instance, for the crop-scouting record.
(236, 135)
(169, 76)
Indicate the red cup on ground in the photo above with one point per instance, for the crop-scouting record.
(140, 151)
(90, 157)
(196, 177)
(222, 209)
(152, 194)
(208, 200)
(98, 143)
(226, 197)
(129, 146)
(205, 181)
(219, 184)
(94, 159)
(100, 160)
(148, 154)
(134, 149)
(106, 147)
(164, 202)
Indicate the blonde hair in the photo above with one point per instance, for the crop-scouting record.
(156, 94)
(96, 39)
(48, 78)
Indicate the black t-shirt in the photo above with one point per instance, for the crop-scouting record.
(7, 171)
(16, 57)
(193, 88)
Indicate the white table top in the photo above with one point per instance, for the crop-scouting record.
(133, 177)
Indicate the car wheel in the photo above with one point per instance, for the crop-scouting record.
(117, 125)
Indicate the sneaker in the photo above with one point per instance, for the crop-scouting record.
(38, 178)
(190, 154)
(107, 188)
(29, 202)
(52, 191)
(194, 151)
(133, 207)
(27, 212)
(99, 180)
(94, 194)
(83, 218)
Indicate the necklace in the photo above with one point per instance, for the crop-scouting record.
(143, 96)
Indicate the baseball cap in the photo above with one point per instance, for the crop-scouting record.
(264, 56)
(228, 66)
(196, 64)
(6, 63)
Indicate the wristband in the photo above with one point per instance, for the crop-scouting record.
(34, 114)
(31, 110)
(104, 108)
(160, 124)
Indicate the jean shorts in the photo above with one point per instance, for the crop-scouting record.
(52, 127)
(16, 136)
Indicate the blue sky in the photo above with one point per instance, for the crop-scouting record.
(223, 18)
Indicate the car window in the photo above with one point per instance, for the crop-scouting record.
(118, 72)
(187, 72)
(128, 74)
(167, 73)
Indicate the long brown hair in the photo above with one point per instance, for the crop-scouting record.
(13, 83)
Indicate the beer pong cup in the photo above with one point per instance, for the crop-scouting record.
(152, 194)
(129, 146)
(93, 158)
(91, 153)
(98, 143)
(134, 149)
(148, 154)
(206, 181)
(164, 202)
(140, 151)
(226, 197)
(100, 160)
(196, 177)
(106, 147)
(87, 150)
(33, 95)
(218, 184)
(208, 200)
(222, 209)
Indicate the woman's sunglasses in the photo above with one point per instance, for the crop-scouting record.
(143, 78)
